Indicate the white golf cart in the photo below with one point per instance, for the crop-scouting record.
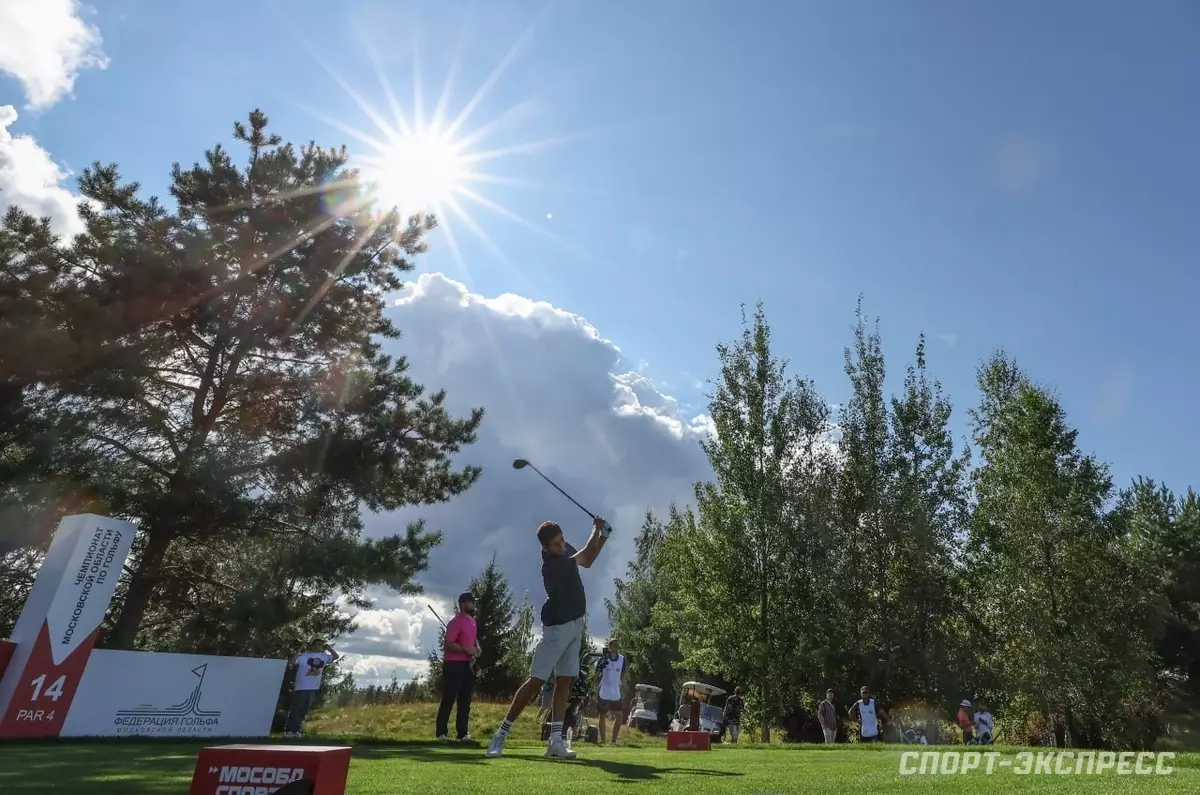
(712, 707)
(643, 713)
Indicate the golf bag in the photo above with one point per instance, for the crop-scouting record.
(911, 734)
(981, 738)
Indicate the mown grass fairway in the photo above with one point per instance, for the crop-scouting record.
(388, 760)
(165, 768)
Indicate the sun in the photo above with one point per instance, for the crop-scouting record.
(418, 172)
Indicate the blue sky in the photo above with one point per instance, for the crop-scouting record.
(1008, 174)
(993, 174)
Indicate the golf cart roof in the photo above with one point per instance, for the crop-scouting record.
(702, 687)
(650, 688)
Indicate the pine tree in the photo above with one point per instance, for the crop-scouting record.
(494, 614)
(244, 393)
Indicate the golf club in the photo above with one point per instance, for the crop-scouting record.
(435, 615)
(521, 463)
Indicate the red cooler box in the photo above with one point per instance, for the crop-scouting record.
(689, 741)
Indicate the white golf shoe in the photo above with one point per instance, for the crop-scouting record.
(495, 746)
(559, 750)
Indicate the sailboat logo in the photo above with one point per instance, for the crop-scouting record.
(190, 708)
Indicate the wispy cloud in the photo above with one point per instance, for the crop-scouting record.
(45, 44)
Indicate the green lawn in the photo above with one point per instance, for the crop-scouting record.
(165, 768)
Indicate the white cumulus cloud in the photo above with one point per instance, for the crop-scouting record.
(45, 44)
(30, 179)
(557, 393)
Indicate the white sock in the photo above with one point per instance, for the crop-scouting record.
(556, 731)
(505, 727)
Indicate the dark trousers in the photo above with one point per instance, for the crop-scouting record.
(302, 701)
(458, 683)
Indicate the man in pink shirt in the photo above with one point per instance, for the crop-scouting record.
(458, 670)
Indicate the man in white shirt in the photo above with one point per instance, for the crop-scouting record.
(865, 711)
(610, 669)
(983, 725)
(310, 668)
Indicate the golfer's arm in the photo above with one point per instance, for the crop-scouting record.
(591, 550)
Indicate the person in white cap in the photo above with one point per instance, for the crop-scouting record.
(965, 723)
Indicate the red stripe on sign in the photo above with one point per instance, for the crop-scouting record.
(44, 690)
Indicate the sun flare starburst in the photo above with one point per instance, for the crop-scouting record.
(418, 172)
(418, 163)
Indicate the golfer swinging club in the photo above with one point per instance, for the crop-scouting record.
(557, 652)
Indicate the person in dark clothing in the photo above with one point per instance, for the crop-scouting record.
(563, 614)
(460, 648)
(732, 718)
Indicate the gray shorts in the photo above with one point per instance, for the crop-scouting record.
(557, 653)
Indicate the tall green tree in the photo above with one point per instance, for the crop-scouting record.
(650, 648)
(739, 566)
(1049, 580)
(518, 654)
(1162, 535)
(259, 403)
(866, 527)
(930, 510)
(495, 615)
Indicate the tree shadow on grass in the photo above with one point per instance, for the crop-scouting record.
(422, 752)
(630, 771)
(472, 754)
(96, 769)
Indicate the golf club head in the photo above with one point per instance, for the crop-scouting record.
(520, 463)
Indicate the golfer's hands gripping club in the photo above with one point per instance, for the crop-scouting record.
(602, 527)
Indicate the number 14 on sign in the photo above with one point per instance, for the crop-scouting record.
(53, 692)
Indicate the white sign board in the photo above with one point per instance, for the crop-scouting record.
(126, 693)
(59, 623)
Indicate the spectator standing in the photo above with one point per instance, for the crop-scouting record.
(866, 712)
(610, 668)
(965, 723)
(459, 651)
(732, 717)
(983, 725)
(827, 717)
(310, 668)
